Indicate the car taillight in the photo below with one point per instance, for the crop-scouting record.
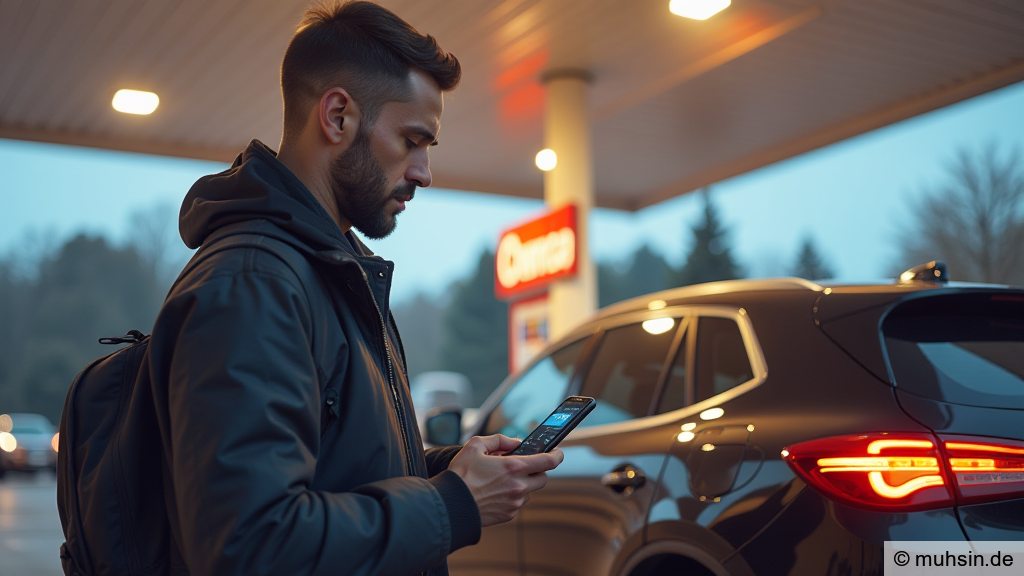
(985, 469)
(879, 471)
(907, 471)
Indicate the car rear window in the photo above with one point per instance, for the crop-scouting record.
(964, 349)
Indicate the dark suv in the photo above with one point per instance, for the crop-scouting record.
(771, 427)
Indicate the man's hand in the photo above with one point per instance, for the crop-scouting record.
(501, 485)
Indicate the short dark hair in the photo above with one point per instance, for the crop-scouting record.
(363, 48)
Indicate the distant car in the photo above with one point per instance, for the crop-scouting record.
(440, 391)
(27, 443)
(771, 427)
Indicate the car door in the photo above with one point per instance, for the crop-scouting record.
(714, 478)
(523, 404)
(594, 507)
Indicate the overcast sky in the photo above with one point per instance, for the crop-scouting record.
(851, 197)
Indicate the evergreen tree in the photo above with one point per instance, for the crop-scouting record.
(809, 263)
(648, 272)
(709, 259)
(14, 294)
(610, 284)
(419, 321)
(475, 337)
(87, 290)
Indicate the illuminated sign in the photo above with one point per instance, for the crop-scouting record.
(527, 330)
(532, 255)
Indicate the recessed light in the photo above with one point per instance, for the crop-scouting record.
(135, 102)
(546, 159)
(697, 9)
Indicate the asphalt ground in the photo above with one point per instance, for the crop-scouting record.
(30, 533)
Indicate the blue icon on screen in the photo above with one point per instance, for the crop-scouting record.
(557, 420)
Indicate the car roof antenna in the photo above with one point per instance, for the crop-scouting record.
(934, 271)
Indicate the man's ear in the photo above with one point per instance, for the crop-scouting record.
(339, 117)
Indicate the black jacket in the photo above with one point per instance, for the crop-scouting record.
(282, 397)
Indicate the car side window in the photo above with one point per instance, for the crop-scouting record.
(722, 360)
(536, 394)
(673, 396)
(625, 371)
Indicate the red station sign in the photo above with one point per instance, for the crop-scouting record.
(532, 255)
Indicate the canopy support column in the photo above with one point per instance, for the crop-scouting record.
(567, 132)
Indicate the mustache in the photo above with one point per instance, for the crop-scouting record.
(407, 191)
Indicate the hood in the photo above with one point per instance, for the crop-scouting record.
(258, 186)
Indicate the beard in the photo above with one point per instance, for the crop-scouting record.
(360, 189)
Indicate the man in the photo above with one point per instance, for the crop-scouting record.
(275, 365)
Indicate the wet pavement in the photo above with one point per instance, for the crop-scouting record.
(30, 533)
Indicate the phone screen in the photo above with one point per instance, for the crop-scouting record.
(556, 426)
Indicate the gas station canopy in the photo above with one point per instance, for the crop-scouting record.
(674, 104)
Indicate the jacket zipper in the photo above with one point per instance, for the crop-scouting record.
(391, 380)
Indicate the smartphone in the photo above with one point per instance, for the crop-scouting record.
(555, 427)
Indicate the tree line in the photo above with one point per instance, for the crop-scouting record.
(473, 324)
(56, 301)
(973, 220)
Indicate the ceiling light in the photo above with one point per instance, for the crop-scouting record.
(546, 159)
(656, 305)
(135, 102)
(685, 436)
(698, 9)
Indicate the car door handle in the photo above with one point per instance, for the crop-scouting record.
(627, 478)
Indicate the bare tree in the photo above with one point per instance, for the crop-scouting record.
(975, 221)
(153, 233)
(35, 246)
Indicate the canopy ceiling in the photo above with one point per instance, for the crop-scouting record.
(675, 104)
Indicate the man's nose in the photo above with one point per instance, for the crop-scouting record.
(419, 174)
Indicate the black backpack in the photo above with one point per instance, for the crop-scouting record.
(110, 488)
(112, 523)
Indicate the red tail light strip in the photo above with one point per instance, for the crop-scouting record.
(983, 448)
(902, 471)
(985, 471)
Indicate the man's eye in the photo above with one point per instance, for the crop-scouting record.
(409, 144)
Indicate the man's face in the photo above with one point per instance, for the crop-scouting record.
(380, 171)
